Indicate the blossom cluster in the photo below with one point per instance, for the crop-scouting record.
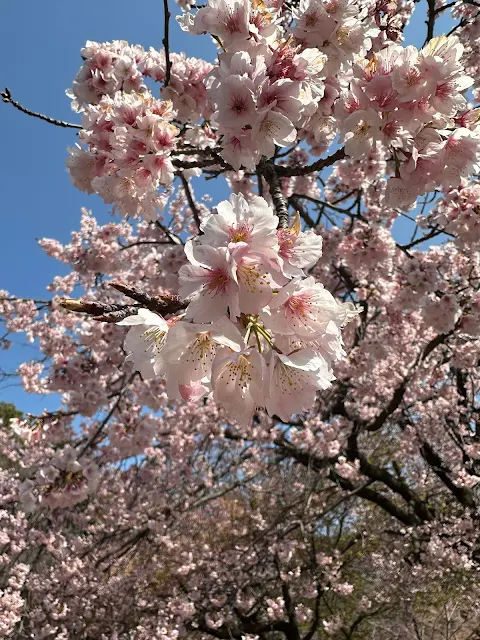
(110, 67)
(128, 140)
(269, 82)
(411, 101)
(459, 214)
(256, 332)
(62, 482)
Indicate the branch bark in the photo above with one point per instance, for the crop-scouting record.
(310, 168)
(102, 312)
(7, 98)
(269, 172)
(166, 43)
(191, 202)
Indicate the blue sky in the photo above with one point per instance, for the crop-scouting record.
(40, 46)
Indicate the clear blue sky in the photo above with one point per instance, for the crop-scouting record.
(40, 46)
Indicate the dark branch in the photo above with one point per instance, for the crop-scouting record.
(379, 499)
(432, 234)
(297, 204)
(146, 242)
(393, 483)
(316, 166)
(7, 98)
(431, 457)
(191, 201)
(94, 439)
(166, 43)
(430, 22)
(269, 172)
(199, 164)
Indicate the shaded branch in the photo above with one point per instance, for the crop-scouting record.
(310, 168)
(166, 43)
(94, 439)
(191, 202)
(7, 98)
(198, 164)
(269, 172)
(395, 484)
(463, 494)
(145, 242)
(432, 234)
(430, 22)
(379, 499)
(295, 202)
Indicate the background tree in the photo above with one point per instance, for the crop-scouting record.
(8, 411)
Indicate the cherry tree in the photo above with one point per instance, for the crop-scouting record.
(268, 405)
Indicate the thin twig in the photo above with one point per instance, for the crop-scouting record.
(93, 440)
(145, 242)
(166, 42)
(174, 239)
(316, 166)
(463, 23)
(432, 234)
(7, 98)
(191, 202)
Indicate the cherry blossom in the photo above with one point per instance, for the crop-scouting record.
(255, 403)
(145, 340)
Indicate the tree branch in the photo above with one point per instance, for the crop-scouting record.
(430, 22)
(100, 311)
(7, 98)
(431, 457)
(396, 485)
(166, 43)
(377, 498)
(399, 392)
(269, 172)
(316, 166)
(163, 304)
(93, 440)
(191, 202)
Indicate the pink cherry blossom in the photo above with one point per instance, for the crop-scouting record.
(239, 221)
(294, 381)
(238, 378)
(145, 340)
(302, 309)
(210, 279)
